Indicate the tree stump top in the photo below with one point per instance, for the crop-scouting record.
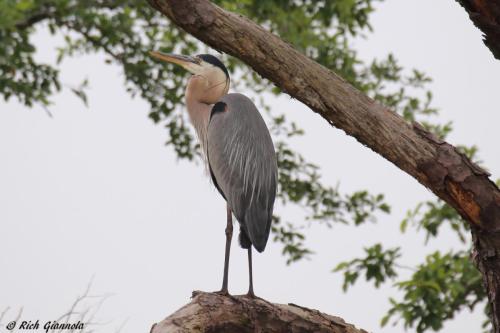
(211, 313)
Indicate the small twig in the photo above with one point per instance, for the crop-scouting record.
(2, 315)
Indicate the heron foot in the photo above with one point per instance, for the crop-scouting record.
(222, 292)
(251, 294)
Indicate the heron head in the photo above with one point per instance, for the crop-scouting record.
(210, 80)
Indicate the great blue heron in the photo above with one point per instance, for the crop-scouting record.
(238, 149)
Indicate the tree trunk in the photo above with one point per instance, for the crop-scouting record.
(434, 163)
(214, 313)
(486, 16)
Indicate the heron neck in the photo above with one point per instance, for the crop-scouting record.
(199, 114)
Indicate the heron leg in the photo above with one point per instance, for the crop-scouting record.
(229, 236)
(250, 288)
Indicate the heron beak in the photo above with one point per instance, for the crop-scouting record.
(189, 63)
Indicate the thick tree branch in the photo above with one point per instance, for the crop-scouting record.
(434, 163)
(486, 16)
(210, 312)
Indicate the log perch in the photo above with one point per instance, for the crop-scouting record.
(214, 313)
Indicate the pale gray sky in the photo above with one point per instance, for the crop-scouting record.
(95, 191)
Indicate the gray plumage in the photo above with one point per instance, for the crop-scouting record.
(242, 162)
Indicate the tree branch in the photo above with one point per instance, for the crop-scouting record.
(34, 19)
(211, 312)
(485, 14)
(49, 11)
(434, 163)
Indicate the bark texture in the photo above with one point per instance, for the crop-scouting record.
(436, 164)
(485, 14)
(214, 313)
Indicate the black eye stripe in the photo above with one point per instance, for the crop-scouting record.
(214, 61)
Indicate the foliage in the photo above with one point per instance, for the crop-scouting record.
(437, 291)
(293, 240)
(430, 216)
(125, 30)
(378, 265)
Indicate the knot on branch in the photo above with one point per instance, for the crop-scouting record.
(462, 183)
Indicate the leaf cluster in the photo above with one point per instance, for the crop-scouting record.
(378, 265)
(436, 292)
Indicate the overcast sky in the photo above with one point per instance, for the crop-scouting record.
(94, 191)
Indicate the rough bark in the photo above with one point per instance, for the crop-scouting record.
(210, 313)
(436, 164)
(485, 14)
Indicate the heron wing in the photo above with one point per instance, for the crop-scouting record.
(243, 165)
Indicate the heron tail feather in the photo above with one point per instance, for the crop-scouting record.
(244, 240)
